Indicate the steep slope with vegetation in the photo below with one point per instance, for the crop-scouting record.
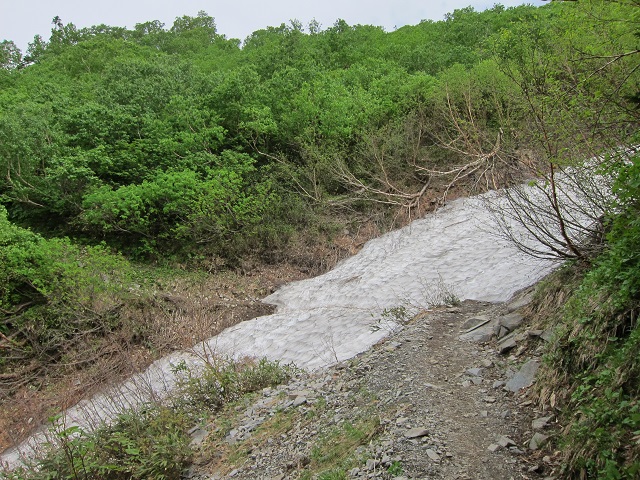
(122, 150)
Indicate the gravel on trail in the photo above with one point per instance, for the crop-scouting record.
(439, 401)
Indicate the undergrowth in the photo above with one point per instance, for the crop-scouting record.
(593, 367)
(151, 441)
(336, 451)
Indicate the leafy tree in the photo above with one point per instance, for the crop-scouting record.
(10, 55)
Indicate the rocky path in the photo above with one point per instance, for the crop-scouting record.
(422, 404)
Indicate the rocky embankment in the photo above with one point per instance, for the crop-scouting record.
(445, 397)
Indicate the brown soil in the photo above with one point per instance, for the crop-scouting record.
(180, 314)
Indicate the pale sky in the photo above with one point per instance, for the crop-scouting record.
(20, 20)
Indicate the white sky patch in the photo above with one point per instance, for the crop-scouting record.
(21, 21)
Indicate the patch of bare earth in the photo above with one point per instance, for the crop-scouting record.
(180, 313)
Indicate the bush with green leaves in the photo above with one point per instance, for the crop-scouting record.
(218, 206)
(52, 293)
(596, 356)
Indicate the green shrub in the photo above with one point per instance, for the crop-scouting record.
(597, 351)
(220, 207)
(53, 291)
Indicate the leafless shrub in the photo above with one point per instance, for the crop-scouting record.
(559, 216)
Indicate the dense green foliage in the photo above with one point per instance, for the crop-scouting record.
(52, 293)
(596, 357)
(139, 137)
(180, 143)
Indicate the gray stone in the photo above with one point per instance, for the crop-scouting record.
(402, 420)
(540, 423)
(371, 464)
(433, 455)
(299, 401)
(391, 346)
(537, 441)
(502, 331)
(494, 447)
(511, 321)
(507, 344)
(478, 329)
(252, 425)
(505, 442)
(197, 436)
(474, 323)
(474, 372)
(524, 378)
(519, 302)
(416, 433)
(498, 384)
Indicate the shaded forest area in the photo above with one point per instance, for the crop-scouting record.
(126, 151)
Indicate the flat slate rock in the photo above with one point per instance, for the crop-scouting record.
(511, 321)
(524, 378)
(507, 344)
(537, 441)
(540, 423)
(416, 433)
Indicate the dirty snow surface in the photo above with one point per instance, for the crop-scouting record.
(335, 316)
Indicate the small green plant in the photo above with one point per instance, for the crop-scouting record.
(335, 452)
(224, 380)
(440, 294)
(337, 474)
(593, 363)
(151, 441)
(391, 317)
(399, 314)
(395, 469)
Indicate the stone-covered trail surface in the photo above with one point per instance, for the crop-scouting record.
(441, 407)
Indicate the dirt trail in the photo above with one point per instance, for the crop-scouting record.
(442, 408)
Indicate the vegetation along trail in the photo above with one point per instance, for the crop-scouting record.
(157, 183)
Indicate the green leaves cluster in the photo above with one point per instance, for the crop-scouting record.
(98, 123)
(597, 349)
(214, 206)
(51, 293)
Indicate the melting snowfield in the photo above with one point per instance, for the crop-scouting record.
(337, 315)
